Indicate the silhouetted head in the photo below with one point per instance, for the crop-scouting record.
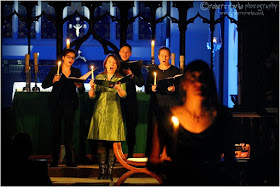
(198, 80)
(22, 145)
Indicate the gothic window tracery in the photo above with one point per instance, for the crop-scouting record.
(7, 25)
(48, 30)
(22, 25)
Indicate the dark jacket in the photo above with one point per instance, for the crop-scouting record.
(64, 90)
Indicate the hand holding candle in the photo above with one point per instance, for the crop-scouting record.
(67, 43)
(155, 78)
(92, 75)
(58, 66)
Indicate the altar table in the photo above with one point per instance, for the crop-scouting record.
(31, 114)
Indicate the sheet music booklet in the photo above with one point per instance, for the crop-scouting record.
(111, 84)
(82, 78)
(163, 84)
(136, 63)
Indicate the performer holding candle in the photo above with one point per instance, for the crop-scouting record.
(161, 100)
(129, 103)
(63, 103)
(203, 135)
(106, 125)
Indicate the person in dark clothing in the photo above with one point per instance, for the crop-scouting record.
(63, 103)
(129, 104)
(195, 134)
(22, 170)
(161, 100)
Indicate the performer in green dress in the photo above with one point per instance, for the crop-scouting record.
(107, 122)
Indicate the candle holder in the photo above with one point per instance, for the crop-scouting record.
(36, 71)
(28, 81)
(36, 88)
(152, 64)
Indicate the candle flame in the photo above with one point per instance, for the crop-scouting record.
(214, 40)
(59, 62)
(155, 74)
(153, 42)
(175, 121)
(67, 40)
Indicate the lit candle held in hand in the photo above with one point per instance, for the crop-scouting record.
(175, 127)
(67, 43)
(155, 78)
(153, 49)
(58, 66)
(92, 75)
(175, 122)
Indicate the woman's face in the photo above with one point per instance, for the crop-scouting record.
(68, 59)
(164, 57)
(111, 65)
(192, 84)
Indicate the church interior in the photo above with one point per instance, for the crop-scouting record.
(238, 39)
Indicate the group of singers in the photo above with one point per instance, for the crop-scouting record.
(193, 150)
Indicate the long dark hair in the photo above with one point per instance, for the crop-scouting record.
(209, 89)
(118, 64)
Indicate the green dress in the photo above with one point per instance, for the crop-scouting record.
(107, 121)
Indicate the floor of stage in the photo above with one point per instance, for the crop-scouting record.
(84, 175)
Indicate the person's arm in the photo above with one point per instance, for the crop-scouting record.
(50, 79)
(157, 158)
(154, 158)
(91, 92)
(80, 85)
(121, 89)
(149, 83)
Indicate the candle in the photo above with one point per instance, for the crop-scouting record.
(27, 58)
(182, 62)
(175, 122)
(35, 56)
(92, 76)
(155, 78)
(173, 59)
(153, 49)
(58, 65)
(214, 40)
(175, 125)
(67, 43)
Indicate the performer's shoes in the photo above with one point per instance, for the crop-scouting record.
(71, 164)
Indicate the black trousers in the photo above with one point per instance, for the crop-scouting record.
(64, 111)
(130, 114)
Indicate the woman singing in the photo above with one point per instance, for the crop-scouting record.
(106, 125)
